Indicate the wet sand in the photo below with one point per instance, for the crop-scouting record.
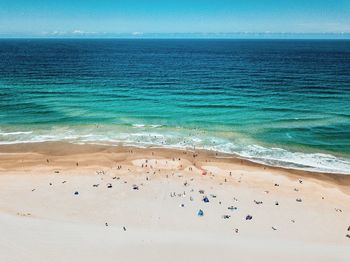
(64, 202)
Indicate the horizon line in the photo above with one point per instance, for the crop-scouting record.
(169, 38)
(138, 34)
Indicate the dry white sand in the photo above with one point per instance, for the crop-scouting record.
(42, 219)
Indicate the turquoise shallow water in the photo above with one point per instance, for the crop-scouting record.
(280, 102)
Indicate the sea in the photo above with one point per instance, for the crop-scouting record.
(278, 102)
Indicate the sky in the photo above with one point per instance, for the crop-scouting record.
(93, 18)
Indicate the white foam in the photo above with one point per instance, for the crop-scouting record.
(143, 126)
(138, 125)
(297, 160)
(15, 133)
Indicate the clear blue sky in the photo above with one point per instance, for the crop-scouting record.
(137, 17)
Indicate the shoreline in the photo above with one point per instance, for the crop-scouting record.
(319, 161)
(63, 149)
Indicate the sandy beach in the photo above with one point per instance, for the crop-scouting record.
(65, 202)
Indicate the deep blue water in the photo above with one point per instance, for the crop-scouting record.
(281, 102)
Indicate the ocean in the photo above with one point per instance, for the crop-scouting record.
(279, 102)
